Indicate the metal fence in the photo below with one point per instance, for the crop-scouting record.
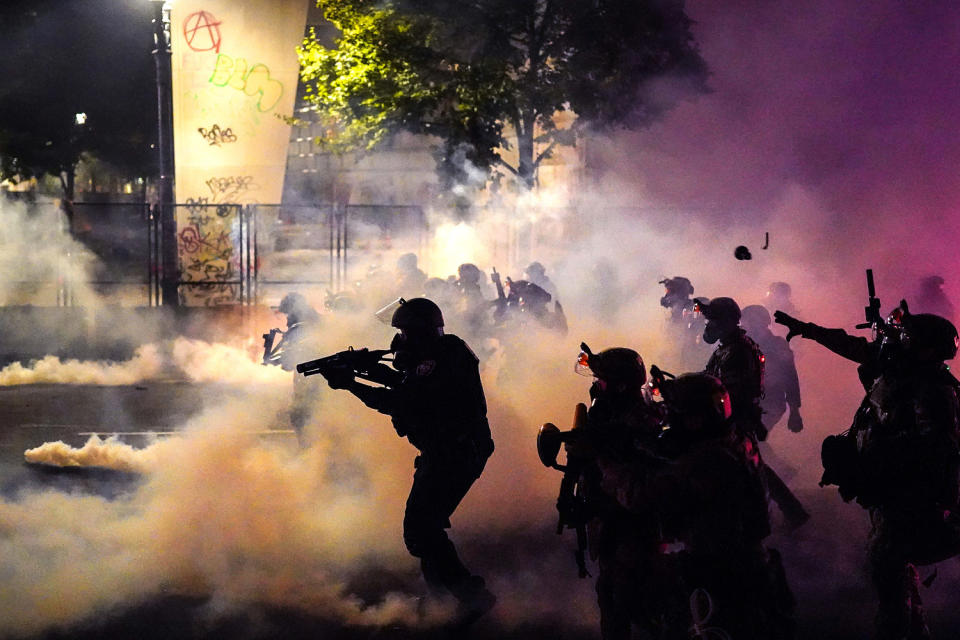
(322, 248)
(229, 254)
(68, 254)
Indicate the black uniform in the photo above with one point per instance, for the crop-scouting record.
(622, 428)
(439, 407)
(709, 571)
(781, 384)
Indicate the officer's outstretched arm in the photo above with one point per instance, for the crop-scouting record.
(837, 340)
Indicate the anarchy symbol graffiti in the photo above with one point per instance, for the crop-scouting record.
(202, 31)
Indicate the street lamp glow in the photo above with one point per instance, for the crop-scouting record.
(80, 119)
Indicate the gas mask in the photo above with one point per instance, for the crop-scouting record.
(714, 330)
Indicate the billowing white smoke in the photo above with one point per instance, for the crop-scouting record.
(194, 360)
(146, 364)
(220, 511)
(246, 518)
(38, 256)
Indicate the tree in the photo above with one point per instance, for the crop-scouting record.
(473, 72)
(60, 58)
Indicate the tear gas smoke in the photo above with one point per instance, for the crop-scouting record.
(146, 364)
(109, 453)
(39, 256)
(195, 360)
(826, 157)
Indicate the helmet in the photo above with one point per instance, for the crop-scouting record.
(678, 285)
(292, 303)
(755, 316)
(719, 309)
(535, 269)
(618, 364)
(929, 331)
(468, 272)
(697, 394)
(417, 314)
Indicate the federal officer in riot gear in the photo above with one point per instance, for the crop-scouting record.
(684, 324)
(781, 383)
(621, 428)
(410, 277)
(901, 457)
(537, 274)
(472, 307)
(527, 301)
(779, 297)
(297, 343)
(437, 403)
(739, 363)
(709, 568)
(677, 297)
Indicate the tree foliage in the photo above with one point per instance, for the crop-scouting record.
(476, 73)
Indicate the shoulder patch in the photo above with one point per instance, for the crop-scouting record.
(425, 368)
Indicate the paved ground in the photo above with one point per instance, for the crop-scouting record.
(833, 601)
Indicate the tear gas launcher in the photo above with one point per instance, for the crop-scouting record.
(361, 363)
(572, 501)
(269, 356)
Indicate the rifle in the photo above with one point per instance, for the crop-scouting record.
(268, 340)
(501, 301)
(571, 503)
(362, 363)
(872, 311)
(888, 334)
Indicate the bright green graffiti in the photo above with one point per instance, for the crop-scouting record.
(256, 81)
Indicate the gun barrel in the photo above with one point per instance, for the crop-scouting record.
(310, 367)
(871, 289)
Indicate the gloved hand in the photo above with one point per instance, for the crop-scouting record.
(339, 378)
(579, 446)
(795, 422)
(795, 327)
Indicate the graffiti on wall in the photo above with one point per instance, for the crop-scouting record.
(255, 81)
(202, 32)
(215, 136)
(230, 188)
(209, 262)
(229, 74)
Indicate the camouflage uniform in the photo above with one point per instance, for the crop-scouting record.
(907, 439)
(739, 363)
(902, 465)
